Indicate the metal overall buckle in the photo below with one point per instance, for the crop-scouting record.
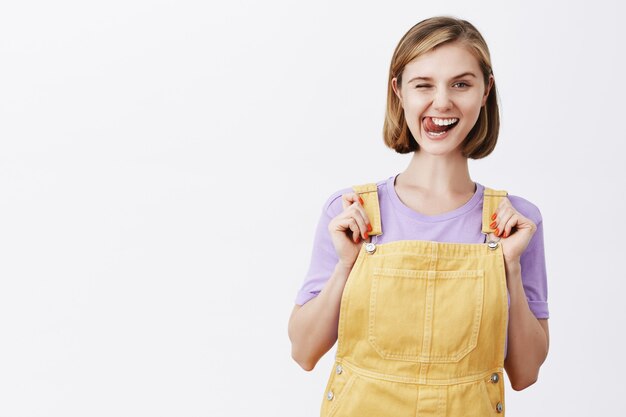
(492, 244)
(370, 247)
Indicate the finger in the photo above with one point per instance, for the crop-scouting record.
(349, 198)
(357, 204)
(510, 224)
(358, 214)
(354, 227)
(363, 215)
(505, 202)
(521, 222)
(503, 217)
(348, 224)
(499, 212)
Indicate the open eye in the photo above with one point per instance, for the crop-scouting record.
(461, 82)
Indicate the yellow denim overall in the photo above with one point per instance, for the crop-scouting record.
(422, 326)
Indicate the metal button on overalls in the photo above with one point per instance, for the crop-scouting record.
(370, 247)
(422, 326)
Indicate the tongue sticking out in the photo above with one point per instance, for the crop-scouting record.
(430, 126)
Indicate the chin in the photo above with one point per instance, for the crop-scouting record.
(439, 148)
(436, 151)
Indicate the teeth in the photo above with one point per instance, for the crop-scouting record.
(443, 122)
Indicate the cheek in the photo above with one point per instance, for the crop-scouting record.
(471, 104)
(414, 108)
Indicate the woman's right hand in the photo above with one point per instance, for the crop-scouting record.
(348, 228)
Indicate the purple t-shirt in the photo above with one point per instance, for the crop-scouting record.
(399, 222)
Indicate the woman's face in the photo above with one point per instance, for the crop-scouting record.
(446, 84)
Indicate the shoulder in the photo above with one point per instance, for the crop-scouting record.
(333, 205)
(526, 207)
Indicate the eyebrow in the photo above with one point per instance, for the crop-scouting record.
(453, 78)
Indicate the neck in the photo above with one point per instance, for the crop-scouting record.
(438, 174)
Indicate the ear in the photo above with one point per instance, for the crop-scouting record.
(396, 89)
(488, 89)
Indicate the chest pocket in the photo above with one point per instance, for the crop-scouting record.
(425, 316)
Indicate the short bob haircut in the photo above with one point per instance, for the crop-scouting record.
(421, 38)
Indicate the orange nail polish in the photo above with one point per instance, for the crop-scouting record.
(497, 232)
(369, 227)
(492, 225)
(493, 216)
(504, 234)
(361, 200)
(366, 235)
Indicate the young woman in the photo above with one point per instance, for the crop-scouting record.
(432, 283)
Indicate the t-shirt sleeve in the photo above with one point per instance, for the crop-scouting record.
(533, 264)
(323, 257)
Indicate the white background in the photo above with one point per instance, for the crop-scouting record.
(163, 165)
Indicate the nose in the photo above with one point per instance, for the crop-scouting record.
(441, 100)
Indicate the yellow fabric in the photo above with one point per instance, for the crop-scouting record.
(369, 194)
(422, 329)
(490, 207)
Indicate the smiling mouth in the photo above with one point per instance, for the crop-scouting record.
(440, 127)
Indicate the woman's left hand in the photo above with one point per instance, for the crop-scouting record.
(514, 229)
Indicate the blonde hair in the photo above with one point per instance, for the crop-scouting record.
(421, 38)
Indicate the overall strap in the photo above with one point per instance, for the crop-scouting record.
(491, 200)
(369, 194)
